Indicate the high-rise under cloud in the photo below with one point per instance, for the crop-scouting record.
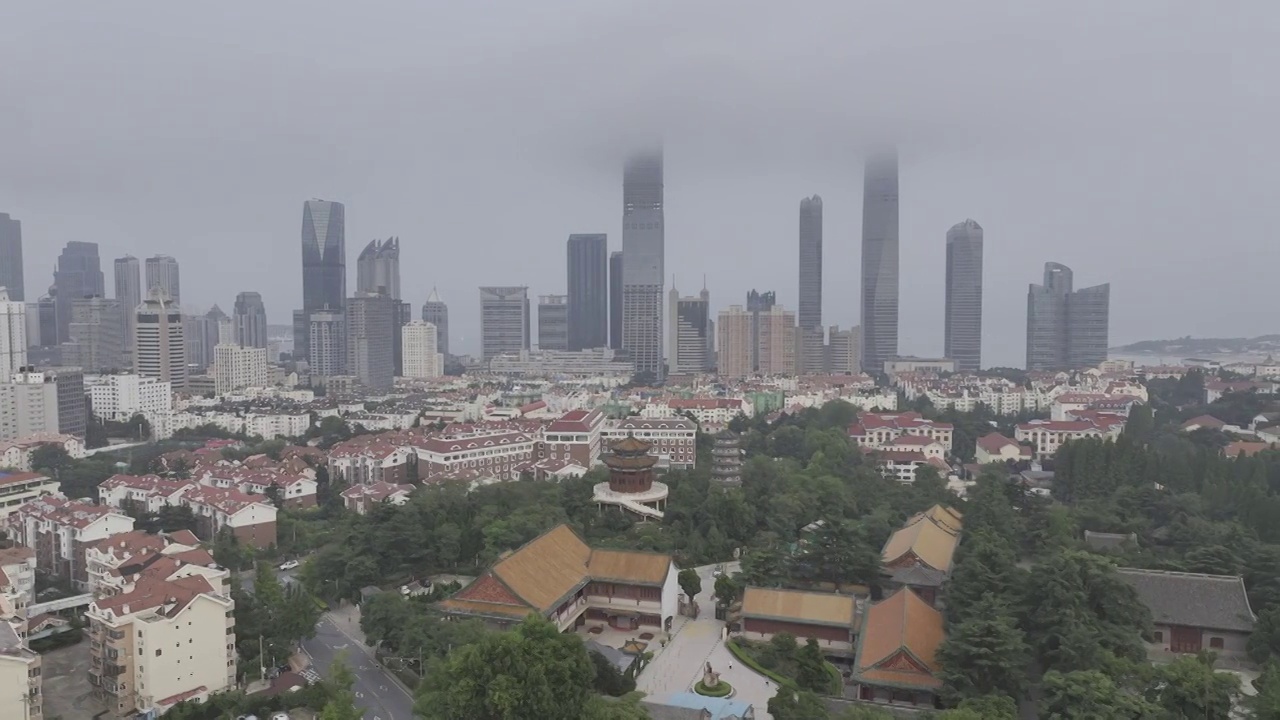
(643, 247)
(962, 339)
(879, 260)
(162, 272)
(324, 266)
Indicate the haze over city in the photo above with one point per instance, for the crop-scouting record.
(1125, 142)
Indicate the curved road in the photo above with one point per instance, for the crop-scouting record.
(381, 696)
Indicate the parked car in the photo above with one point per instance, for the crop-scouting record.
(717, 571)
(289, 564)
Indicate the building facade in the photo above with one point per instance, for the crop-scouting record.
(588, 273)
(378, 268)
(120, 397)
(372, 324)
(13, 334)
(434, 311)
(553, 322)
(734, 342)
(844, 351)
(128, 282)
(691, 338)
(1066, 328)
(11, 268)
(422, 359)
(236, 367)
(78, 275)
(95, 343)
(880, 259)
(809, 309)
(504, 320)
(643, 273)
(28, 405)
(962, 340)
(776, 337)
(324, 267)
(250, 320)
(615, 300)
(160, 346)
(326, 344)
(162, 273)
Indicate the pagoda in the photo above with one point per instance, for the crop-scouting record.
(631, 486)
(726, 459)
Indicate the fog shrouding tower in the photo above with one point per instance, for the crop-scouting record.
(378, 268)
(1066, 329)
(962, 340)
(879, 260)
(128, 279)
(324, 266)
(643, 247)
(434, 311)
(250, 318)
(588, 274)
(809, 314)
(11, 268)
(162, 272)
(78, 275)
(615, 300)
(504, 320)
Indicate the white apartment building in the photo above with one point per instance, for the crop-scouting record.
(60, 531)
(496, 452)
(162, 642)
(28, 405)
(18, 574)
(236, 367)
(114, 563)
(13, 335)
(21, 695)
(874, 430)
(1049, 435)
(996, 448)
(120, 397)
(422, 358)
(595, 362)
(20, 488)
(674, 440)
(268, 427)
(17, 454)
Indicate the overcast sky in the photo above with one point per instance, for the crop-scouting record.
(1134, 141)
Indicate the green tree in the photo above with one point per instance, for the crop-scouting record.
(986, 654)
(690, 583)
(342, 700)
(532, 671)
(811, 668)
(987, 707)
(727, 589)
(789, 704)
(1088, 695)
(1189, 688)
(1265, 704)
(840, 552)
(627, 707)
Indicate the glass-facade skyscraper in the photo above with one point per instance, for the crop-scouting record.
(643, 246)
(962, 340)
(588, 273)
(11, 276)
(78, 276)
(809, 314)
(1066, 329)
(879, 260)
(324, 267)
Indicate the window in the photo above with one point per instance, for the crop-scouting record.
(1159, 636)
(157, 652)
(1215, 643)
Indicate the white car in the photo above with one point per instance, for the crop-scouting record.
(289, 564)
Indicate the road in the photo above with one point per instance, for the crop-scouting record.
(381, 697)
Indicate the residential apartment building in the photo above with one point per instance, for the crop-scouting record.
(674, 440)
(486, 452)
(692, 344)
(28, 405)
(875, 430)
(120, 397)
(327, 344)
(553, 322)
(776, 337)
(734, 343)
(1049, 435)
(21, 689)
(844, 351)
(236, 367)
(422, 356)
(576, 437)
(373, 459)
(19, 488)
(95, 340)
(60, 531)
(18, 575)
(251, 518)
(588, 274)
(372, 328)
(13, 329)
(114, 562)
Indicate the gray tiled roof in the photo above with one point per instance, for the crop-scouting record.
(917, 576)
(1193, 599)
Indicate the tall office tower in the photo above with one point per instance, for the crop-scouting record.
(42, 322)
(128, 281)
(844, 351)
(758, 302)
(250, 320)
(403, 314)
(691, 325)
(326, 344)
(588, 291)
(372, 320)
(643, 244)
(963, 322)
(160, 346)
(324, 266)
(553, 322)
(28, 405)
(11, 268)
(1066, 328)
(422, 359)
(203, 333)
(73, 409)
(705, 297)
(436, 312)
(97, 341)
(504, 320)
(615, 300)
(880, 259)
(809, 313)
(776, 352)
(162, 272)
(733, 331)
(78, 275)
(378, 268)
(13, 335)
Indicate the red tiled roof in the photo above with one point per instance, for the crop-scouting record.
(19, 477)
(149, 593)
(919, 440)
(70, 513)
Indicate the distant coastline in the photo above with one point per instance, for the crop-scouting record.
(1220, 349)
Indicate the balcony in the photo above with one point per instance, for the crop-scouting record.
(114, 670)
(115, 635)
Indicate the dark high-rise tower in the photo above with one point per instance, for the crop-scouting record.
(324, 266)
(128, 279)
(643, 246)
(11, 276)
(372, 319)
(809, 315)
(963, 321)
(78, 276)
(588, 274)
(1066, 328)
(615, 300)
(879, 260)
(436, 312)
(250, 320)
(378, 268)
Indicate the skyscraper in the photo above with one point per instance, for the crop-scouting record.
(324, 266)
(844, 355)
(326, 344)
(78, 275)
(690, 325)
(962, 340)
(13, 335)
(809, 312)
(553, 322)
(11, 268)
(504, 320)
(128, 280)
(162, 272)
(880, 260)
(436, 312)
(733, 329)
(1066, 328)
(160, 346)
(378, 268)
(776, 342)
(96, 342)
(422, 358)
(372, 319)
(758, 302)
(250, 320)
(615, 300)
(643, 246)
(588, 275)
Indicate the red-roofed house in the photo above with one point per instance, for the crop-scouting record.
(996, 448)
(674, 440)
(19, 488)
(251, 518)
(110, 559)
(359, 498)
(1199, 422)
(160, 642)
(61, 530)
(575, 437)
(1049, 435)
(874, 430)
(496, 452)
(366, 459)
(17, 453)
